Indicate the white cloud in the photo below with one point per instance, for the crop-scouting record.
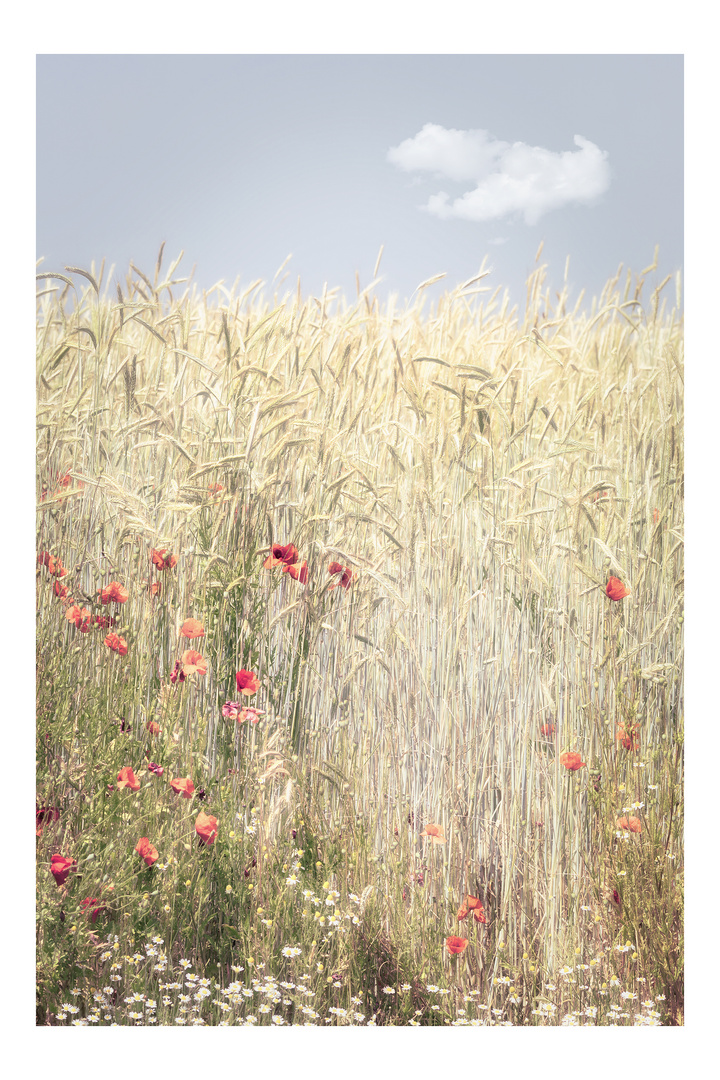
(510, 177)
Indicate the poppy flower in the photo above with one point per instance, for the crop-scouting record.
(60, 590)
(232, 709)
(177, 673)
(206, 827)
(154, 588)
(157, 769)
(472, 904)
(88, 903)
(191, 628)
(114, 591)
(215, 489)
(103, 621)
(246, 682)
(80, 616)
(281, 553)
(615, 589)
(297, 573)
(126, 778)
(152, 727)
(60, 867)
(192, 661)
(249, 713)
(456, 945)
(117, 644)
(53, 564)
(572, 761)
(627, 737)
(184, 787)
(548, 730)
(434, 833)
(336, 568)
(162, 560)
(44, 816)
(146, 850)
(630, 824)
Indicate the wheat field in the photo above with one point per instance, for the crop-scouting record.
(477, 476)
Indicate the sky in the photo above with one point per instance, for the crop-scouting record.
(449, 162)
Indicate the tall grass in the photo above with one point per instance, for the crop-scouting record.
(481, 475)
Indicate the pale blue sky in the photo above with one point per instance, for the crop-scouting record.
(242, 160)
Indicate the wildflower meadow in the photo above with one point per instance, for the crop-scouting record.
(359, 654)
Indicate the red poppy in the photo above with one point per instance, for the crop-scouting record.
(114, 591)
(117, 644)
(184, 787)
(191, 662)
(177, 673)
(434, 833)
(248, 713)
(615, 589)
(154, 588)
(336, 568)
(215, 489)
(60, 867)
(472, 904)
(281, 553)
(656, 515)
(103, 621)
(297, 573)
(126, 778)
(60, 590)
(80, 616)
(157, 769)
(88, 903)
(152, 727)
(572, 761)
(247, 682)
(548, 730)
(628, 737)
(191, 628)
(53, 564)
(206, 827)
(630, 824)
(44, 816)
(162, 560)
(456, 945)
(232, 709)
(146, 850)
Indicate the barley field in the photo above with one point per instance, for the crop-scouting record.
(359, 655)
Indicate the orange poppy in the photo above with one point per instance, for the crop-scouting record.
(60, 867)
(336, 568)
(472, 904)
(547, 730)
(456, 945)
(206, 827)
(117, 644)
(162, 560)
(630, 824)
(628, 737)
(184, 787)
(152, 727)
(126, 778)
(248, 713)
(247, 683)
(103, 621)
(53, 564)
(114, 591)
(615, 589)
(572, 761)
(434, 833)
(80, 616)
(191, 628)
(299, 574)
(154, 588)
(192, 661)
(215, 489)
(60, 590)
(281, 553)
(146, 850)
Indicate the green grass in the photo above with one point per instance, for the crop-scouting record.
(482, 476)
